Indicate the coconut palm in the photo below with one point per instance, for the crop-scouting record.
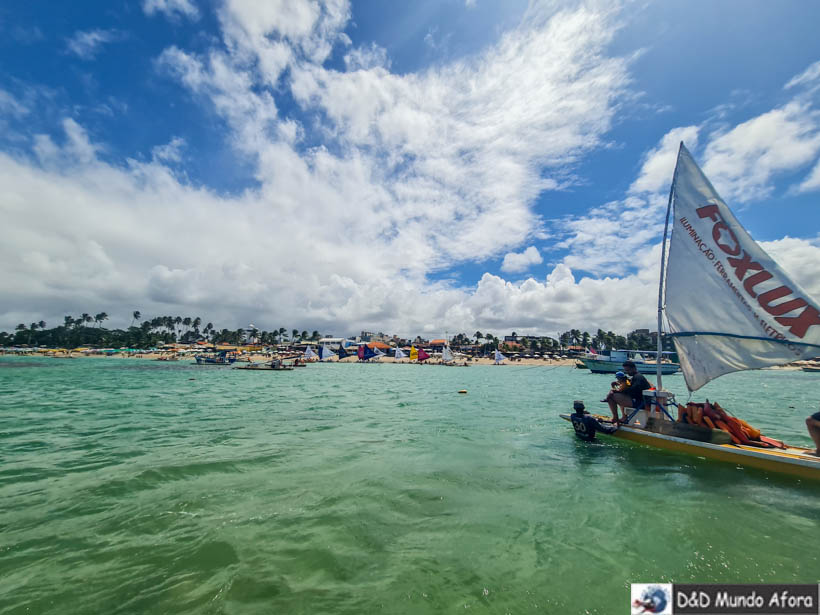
(135, 315)
(294, 334)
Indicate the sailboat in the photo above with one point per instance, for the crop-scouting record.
(499, 357)
(325, 353)
(399, 354)
(729, 308)
(309, 354)
(447, 355)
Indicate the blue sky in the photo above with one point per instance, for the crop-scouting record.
(409, 167)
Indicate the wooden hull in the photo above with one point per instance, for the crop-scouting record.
(597, 366)
(794, 461)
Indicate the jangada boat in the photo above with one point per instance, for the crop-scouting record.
(755, 317)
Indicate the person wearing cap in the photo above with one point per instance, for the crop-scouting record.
(585, 425)
(632, 395)
(621, 382)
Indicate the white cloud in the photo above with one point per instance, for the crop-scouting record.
(809, 76)
(365, 58)
(743, 161)
(811, 182)
(421, 172)
(171, 8)
(516, 262)
(170, 152)
(86, 44)
(659, 163)
(11, 106)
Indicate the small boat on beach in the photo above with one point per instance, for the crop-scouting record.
(729, 307)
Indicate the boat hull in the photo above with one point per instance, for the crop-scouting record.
(793, 461)
(597, 366)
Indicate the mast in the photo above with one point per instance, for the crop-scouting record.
(663, 268)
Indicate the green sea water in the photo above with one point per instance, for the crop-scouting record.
(131, 486)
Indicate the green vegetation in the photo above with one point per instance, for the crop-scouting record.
(75, 332)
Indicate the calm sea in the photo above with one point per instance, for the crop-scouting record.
(131, 486)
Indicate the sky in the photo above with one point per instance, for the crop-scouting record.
(407, 167)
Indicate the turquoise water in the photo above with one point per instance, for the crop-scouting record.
(131, 486)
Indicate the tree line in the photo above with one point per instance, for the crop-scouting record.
(87, 330)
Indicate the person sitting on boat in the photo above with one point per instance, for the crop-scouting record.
(813, 425)
(621, 382)
(585, 425)
(631, 396)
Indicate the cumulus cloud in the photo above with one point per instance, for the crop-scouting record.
(516, 262)
(742, 161)
(171, 8)
(417, 173)
(87, 44)
(659, 163)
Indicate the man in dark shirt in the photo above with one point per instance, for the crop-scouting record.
(585, 425)
(631, 396)
(813, 424)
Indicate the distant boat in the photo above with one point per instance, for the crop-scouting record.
(447, 355)
(811, 368)
(325, 353)
(498, 357)
(609, 364)
(223, 358)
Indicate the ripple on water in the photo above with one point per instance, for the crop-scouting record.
(125, 487)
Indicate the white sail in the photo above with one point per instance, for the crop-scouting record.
(378, 353)
(730, 307)
(325, 353)
(446, 355)
(309, 354)
(499, 357)
(399, 353)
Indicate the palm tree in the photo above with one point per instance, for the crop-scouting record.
(135, 316)
(99, 318)
(42, 324)
(68, 320)
(303, 335)
(294, 334)
(315, 336)
(84, 318)
(478, 336)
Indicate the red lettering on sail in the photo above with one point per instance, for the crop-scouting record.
(752, 274)
(765, 301)
(798, 325)
(744, 264)
(709, 211)
(754, 280)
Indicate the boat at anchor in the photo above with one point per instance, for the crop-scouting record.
(755, 317)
